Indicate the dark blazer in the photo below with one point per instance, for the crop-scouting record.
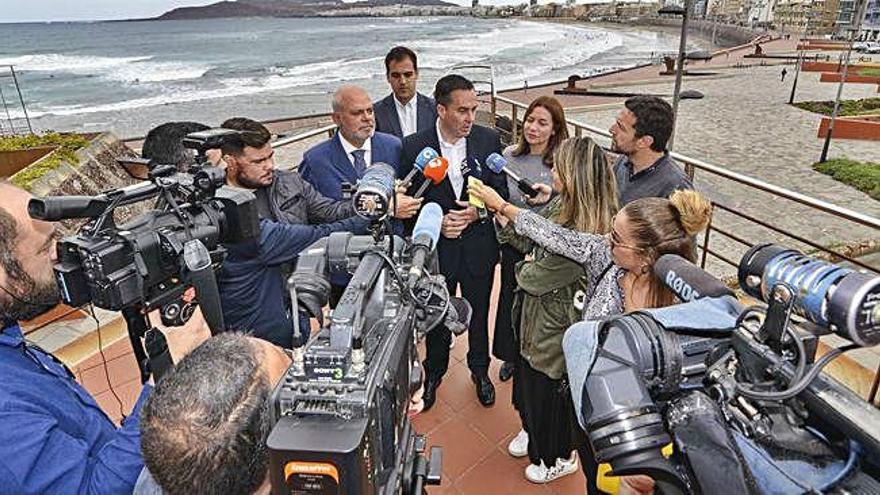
(388, 121)
(326, 165)
(479, 237)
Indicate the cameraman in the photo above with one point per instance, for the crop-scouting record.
(209, 436)
(252, 280)
(54, 436)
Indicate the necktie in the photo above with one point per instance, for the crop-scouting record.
(360, 165)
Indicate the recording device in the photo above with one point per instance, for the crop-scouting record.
(738, 391)
(149, 262)
(426, 155)
(375, 192)
(435, 171)
(498, 164)
(339, 413)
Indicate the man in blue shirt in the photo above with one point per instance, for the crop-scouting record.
(54, 438)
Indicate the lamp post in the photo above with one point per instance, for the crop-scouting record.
(852, 35)
(800, 60)
(679, 67)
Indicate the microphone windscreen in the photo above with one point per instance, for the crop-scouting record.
(496, 162)
(428, 223)
(426, 155)
(458, 318)
(687, 280)
(436, 169)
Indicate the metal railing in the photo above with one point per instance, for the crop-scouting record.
(327, 129)
(693, 165)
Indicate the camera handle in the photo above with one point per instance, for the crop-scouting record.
(197, 261)
(152, 355)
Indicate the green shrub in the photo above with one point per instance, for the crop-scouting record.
(864, 176)
(848, 108)
(65, 153)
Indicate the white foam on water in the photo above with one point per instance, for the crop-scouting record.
(117, 69)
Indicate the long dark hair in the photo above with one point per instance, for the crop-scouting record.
(560, 128)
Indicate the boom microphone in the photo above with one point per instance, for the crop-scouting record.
(435, 171)
(425, 235)
(426, 155)
(688, 281)
(498, 164)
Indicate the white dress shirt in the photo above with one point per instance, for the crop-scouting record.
(348, 147)
(406, 114)
(456, 154)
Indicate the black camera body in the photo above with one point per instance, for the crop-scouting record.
(738, 391)
(150, 261)
(340, 421)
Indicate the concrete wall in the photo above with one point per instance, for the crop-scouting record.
(726, 34)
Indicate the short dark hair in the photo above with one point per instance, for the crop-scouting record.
(164, 144)
(653, 118)
(399, 53)
(447, 84)
(204, 426)
(253, 134)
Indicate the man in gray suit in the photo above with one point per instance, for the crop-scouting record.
(404, 111)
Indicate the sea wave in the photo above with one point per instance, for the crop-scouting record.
(135, 69)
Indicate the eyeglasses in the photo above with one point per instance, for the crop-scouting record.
(617, 241)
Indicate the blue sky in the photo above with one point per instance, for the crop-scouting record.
(87, 10)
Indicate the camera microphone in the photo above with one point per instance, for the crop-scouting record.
(424, 239)
(686, 280)
(498, 164)
(422, 159)
(372, 200)
(435, 171)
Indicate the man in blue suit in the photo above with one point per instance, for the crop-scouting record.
(356, 145)
(405, 111)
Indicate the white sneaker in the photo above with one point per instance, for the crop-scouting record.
(542, 474)
(519, 446)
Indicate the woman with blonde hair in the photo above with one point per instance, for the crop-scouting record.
(531, 157)
(549, 287)
(619, 264)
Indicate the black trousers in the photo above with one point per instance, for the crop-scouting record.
(476, 291)
(504, 345)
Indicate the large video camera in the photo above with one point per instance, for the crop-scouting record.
(737, 391)
(150, 261)
(340, 421)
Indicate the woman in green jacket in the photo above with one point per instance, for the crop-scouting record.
(550, 296)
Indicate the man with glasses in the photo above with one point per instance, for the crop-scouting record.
(54, 437)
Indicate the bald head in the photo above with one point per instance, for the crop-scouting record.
(353, 113)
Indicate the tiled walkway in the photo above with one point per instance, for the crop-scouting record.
(474, 438)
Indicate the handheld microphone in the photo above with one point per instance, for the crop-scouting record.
(688, 281)
(424, 240)
(426, 155)
(372, 200)
(498, 164)
(435, 171)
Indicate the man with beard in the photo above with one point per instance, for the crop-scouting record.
(55, 438)
(644, 168)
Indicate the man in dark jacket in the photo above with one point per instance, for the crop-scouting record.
(405, 111)
(282, 195)
(293, 215)
(467, 250)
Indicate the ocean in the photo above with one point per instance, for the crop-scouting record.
(127, 77)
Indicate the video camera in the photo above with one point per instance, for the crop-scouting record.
(340, 421)
(738, 391)
(149, 262)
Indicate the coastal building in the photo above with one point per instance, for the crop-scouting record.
(871, 23)
(617, 10)
(812, 17)
(761, 13)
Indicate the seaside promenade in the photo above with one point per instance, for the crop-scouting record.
(743, 124)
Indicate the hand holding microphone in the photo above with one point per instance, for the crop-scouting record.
(498, 164)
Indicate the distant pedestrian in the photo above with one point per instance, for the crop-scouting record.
(784, 72)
